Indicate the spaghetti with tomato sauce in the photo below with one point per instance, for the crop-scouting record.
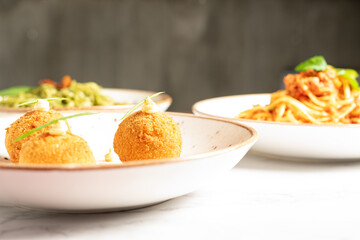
(318, 97)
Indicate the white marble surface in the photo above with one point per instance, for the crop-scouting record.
(259, 199)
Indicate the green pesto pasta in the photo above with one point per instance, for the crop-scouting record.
(76, 95)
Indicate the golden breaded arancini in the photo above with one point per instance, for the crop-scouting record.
(147, 134)
(49, 149)
(25, 123)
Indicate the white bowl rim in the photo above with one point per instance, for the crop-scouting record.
(140, 163)
(164, 98)
(196, 110)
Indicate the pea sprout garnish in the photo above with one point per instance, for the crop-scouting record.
(35, 101)
(50, 123)
(139, 104)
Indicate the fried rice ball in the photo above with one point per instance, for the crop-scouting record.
(56, 149)
(147, 135)
(27, 122)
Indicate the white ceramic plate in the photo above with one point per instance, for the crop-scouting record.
(286, 140)
(128, 96)
(210, 147)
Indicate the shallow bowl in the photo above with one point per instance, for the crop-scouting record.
(129, 97)
(210, 148)
(290, 141)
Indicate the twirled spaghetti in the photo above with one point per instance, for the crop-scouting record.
(311, 97)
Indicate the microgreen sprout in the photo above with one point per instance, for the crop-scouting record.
(35, 101)
(139, 104)
(50, 123)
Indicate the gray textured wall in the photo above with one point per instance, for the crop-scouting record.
(191, 49)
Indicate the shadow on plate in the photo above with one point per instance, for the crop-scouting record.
(45, 224)
(270, 163)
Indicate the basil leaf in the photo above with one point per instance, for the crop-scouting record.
(14, 90)
(351, 75)
(340, 71)
(354, 84)
(317, 63)
(350, 72)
